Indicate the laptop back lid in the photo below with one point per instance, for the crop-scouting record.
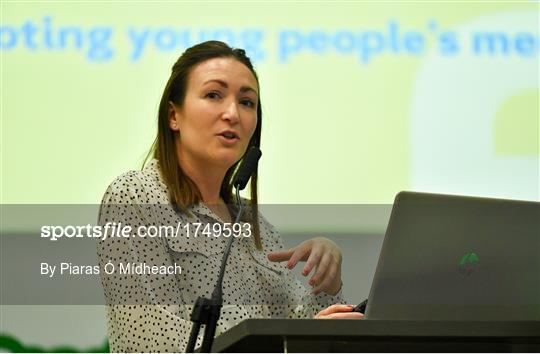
(458, 258)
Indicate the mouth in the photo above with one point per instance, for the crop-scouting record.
(229, 135)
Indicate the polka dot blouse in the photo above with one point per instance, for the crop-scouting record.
(150, 311)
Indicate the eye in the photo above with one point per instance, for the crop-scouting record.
(248, 103)
(213, 95)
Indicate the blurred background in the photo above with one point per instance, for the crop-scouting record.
(360, 101)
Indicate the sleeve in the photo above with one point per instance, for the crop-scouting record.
(145, 313)
(308, 304)
(301, 303)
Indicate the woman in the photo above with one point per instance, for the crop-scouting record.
(209, 115)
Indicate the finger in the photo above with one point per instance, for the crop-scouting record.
(336, 308)
(313, 260)
(321, 269)
(328, 279)
(345, 316)
(280, 256)
(298, 255)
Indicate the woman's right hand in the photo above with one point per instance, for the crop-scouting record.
(341, 312)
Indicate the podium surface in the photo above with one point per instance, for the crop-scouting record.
(309, 335)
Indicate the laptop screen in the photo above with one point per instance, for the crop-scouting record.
(458, 258)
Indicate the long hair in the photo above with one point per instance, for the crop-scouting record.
(183, 192)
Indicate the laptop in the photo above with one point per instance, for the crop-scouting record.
(448, 257)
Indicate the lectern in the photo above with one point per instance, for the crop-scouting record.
(308, 335)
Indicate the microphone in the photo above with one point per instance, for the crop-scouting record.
(207, 311)
(247, 168)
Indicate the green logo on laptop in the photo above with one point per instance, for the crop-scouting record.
(468, 263)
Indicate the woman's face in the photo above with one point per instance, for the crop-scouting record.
(219, 114)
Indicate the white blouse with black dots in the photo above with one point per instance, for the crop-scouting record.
(150, 312)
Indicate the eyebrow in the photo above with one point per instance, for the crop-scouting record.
(224, 84)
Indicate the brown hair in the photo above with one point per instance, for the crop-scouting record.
(183, 192)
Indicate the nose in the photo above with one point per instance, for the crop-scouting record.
(231, 113)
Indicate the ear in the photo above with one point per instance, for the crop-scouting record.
(174, 117)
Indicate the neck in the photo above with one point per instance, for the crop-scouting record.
(208, 178)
